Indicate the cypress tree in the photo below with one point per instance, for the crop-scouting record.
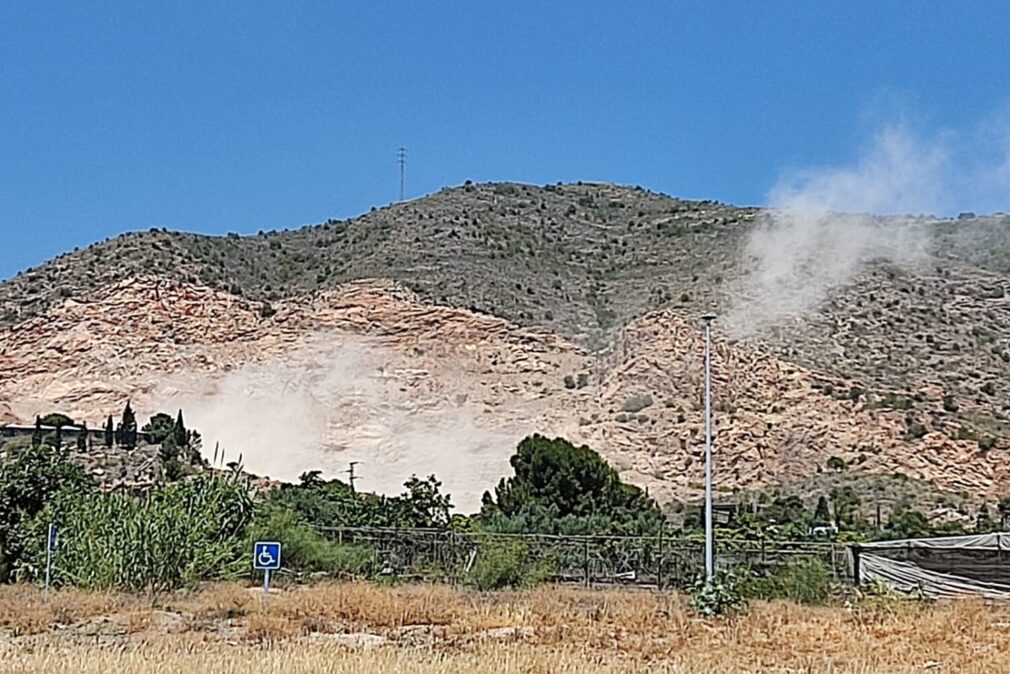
(37, 434)
(128, 428)
(822, 514)
(82, 438)
(110, 432)
(179, 432)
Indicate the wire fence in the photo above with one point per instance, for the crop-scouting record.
(655, 561)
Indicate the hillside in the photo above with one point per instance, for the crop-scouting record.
(431, 335)
(577, 259)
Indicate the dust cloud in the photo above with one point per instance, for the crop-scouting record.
(334, 399)
(824, 225)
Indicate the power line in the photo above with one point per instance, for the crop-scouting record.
(350, 471)
(401, 157)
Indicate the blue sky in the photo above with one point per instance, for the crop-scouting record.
(216, 117)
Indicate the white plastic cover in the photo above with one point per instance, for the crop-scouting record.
(950, 566)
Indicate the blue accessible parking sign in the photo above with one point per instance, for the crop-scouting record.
(266, 556)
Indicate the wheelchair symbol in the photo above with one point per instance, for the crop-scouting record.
(267, 556)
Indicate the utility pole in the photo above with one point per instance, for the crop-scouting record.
(709, 542)
(350, 471)
(401, 157)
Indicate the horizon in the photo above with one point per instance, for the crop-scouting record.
(225, 234)
(209, 120)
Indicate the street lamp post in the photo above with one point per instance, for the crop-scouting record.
(709, 543)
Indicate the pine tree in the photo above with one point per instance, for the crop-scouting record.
(110, 432)
(128, 428)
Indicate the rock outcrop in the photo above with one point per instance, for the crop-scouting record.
(369, 372)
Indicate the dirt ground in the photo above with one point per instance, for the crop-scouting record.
(357, 627)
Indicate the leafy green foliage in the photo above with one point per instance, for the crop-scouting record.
(332, 503)
(305, 549)
(905, 522)
(559, 487)
(180, 534)
(845, 504)
(180, 447)
(57, 419)
(29, 479)
(159, 427)
(723, 595)
(506, 563)
(804, 580)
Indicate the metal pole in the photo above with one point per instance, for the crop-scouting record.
(49, 556)
(709, 544)
(659, 570)
(266, 586)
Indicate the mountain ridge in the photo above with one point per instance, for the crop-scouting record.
(901, 371)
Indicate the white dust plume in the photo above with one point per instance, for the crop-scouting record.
(823, 226)
(336, 399)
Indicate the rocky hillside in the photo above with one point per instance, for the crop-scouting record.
(431, 335)
(577, 259)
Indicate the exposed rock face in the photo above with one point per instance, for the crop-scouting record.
(773, 421)
(369, 372)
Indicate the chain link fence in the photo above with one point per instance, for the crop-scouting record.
(653, 561)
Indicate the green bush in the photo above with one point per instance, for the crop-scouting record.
(29, 479)
(723, 595)
(501, 564)
(178, 535)
(305, 549)
(805, 581)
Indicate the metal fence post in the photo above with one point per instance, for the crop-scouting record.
(659, 570)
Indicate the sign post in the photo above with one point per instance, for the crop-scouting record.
(50, 549)
(266, 558)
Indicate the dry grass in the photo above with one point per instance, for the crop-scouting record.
(224, 628)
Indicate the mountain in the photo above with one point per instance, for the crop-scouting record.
(431, 335)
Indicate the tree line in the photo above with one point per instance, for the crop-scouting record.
(198, 523)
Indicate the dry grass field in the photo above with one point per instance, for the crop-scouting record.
(431, 629)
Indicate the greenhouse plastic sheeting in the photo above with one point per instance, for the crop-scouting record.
(950, 566)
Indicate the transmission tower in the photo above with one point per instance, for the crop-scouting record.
(401, 157)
